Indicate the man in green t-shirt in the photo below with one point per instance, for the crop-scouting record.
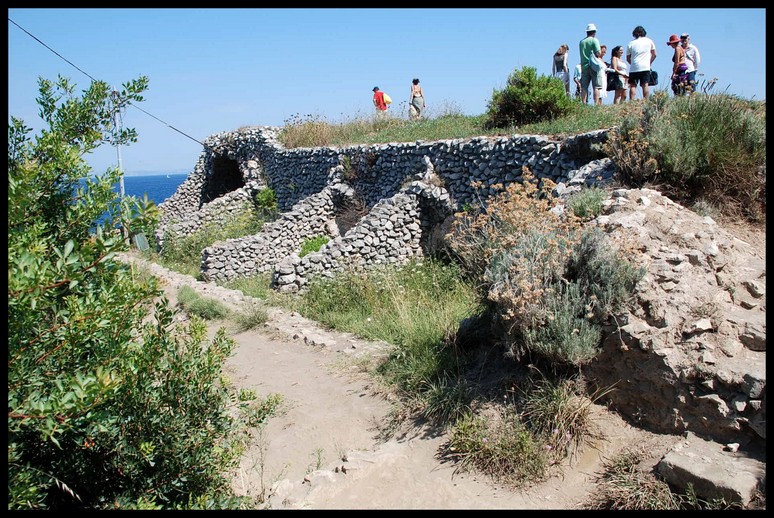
(588, 45)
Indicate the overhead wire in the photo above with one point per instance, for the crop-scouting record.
(93, 79)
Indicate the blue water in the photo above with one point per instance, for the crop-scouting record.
(157, 187)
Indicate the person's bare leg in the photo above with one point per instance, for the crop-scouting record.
(632, 92)
(645, 91)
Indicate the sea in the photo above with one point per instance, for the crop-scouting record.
(158, 187)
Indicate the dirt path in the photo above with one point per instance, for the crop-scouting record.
(324, 450)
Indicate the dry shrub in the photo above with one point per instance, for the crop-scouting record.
(502, 220)
(697, 147)
(552, 280)
(500, 446)
(349, 213)
(515, 245)
(624, 486)
(306, 131)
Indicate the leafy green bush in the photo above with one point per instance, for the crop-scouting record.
(266, 203)
(527, 98)
(108, 406)
(313, 244)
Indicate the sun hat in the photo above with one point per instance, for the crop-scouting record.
(684, 36)
(375, 88)
(591, 27)
(673, 39)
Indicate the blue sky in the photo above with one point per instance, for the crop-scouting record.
(215, 70)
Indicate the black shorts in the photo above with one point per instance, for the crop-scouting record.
(639, 78)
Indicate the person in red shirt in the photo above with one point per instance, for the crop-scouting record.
(381, 106)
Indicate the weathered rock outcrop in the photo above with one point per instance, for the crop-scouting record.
(691, 353)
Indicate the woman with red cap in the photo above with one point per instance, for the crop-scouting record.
(679, 67)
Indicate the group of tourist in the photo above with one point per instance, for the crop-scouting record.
(618, 76)
(633, 71)
(416, 101)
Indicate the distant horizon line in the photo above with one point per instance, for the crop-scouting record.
(147, 173)
(155, 173)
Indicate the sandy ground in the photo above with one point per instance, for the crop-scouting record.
(324, 452)
(324, 449)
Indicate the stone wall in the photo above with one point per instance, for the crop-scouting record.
(392, 195)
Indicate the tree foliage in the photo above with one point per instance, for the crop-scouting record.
(109, 404)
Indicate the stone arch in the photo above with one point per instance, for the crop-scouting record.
(225, 176)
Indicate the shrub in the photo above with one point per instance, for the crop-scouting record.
(557, 412)
(203, 307)
(604, 272)
(313, 244)
(527, 98)
(478, 236)
(623, 486)
(553, 283)
(266, 203)
(446, 400)
(500, 446)
(564, 335)
(587, 203)
(252, 317)
(710, 147)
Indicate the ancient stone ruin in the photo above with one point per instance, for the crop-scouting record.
(689, 357)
